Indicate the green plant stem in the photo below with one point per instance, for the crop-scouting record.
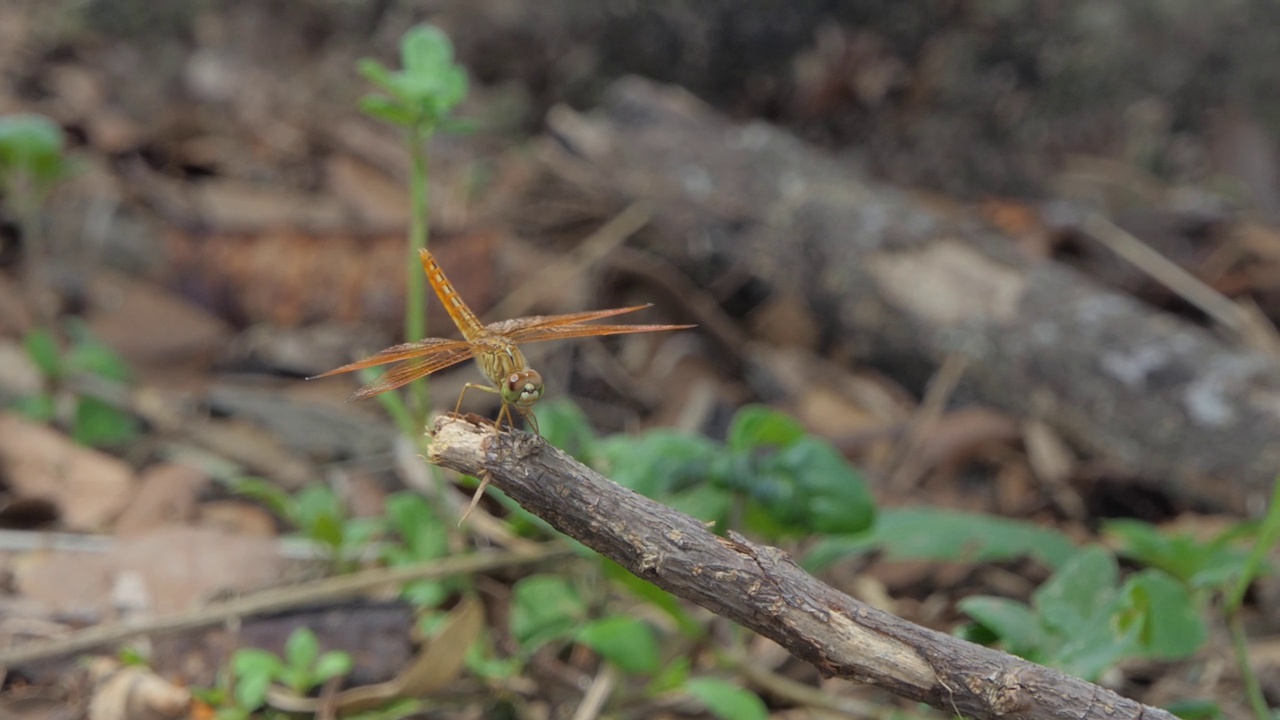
(1268, 535)
(415, 317)
(1252, 689)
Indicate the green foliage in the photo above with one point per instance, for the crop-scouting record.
(1084, 620)
(303, 668)
(1197, 564)
(32, 159)
(778, 478)
(92, 421)
(945, 535)
(544, 608)
(318, 514)
(624, 641)
(426, 89)
(726, 700)
(417, 98)
(419, 535)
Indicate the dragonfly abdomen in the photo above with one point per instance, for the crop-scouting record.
(458, 311)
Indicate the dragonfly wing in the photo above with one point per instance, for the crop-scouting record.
(520, 329)
(410, 370)
(430, 351)
(562, 332)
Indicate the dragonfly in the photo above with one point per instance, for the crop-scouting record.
(495, 348)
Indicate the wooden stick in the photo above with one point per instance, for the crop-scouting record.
(762, 589)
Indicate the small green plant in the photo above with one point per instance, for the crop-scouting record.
(770, 476)
(416, 534)
(243, 691)
(923, 533)
(319, 516)
(548, 609)
(419, 99)
(1084, 620)
(92, 421)
(1201, 565)
(1220, 567)
(32, 162)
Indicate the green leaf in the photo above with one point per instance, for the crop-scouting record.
(43, 350)
(98, 424)
(670, 676)
(564, 425)
(626, 642)
(332, 664)
(706, 502)
(657, 463)
(276, 499)
(39, 407)
(726, 700)
(758, 426)
(425, 49)
(544, 608)
(1170, 624)
(1196, 709)
(1011, 621)
(254, 670)
(945, 535)
(31, 145)
(90, 356)
(655, 596)
(376, 73)
(1197, 563)
(1081, 592)
(326, 529)
(387, 110)
(824, 493)
(301, 649)
(251, 691)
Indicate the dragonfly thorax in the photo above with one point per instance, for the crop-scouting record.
(522, 388)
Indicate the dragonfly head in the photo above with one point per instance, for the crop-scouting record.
(523, 388)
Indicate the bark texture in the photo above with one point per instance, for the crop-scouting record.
(762, 589)
(900, 281)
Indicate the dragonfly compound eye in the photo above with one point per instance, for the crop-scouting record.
(524, 388)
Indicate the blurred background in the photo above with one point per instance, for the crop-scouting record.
(218, 220)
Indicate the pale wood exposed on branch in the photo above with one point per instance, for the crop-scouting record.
(762, 589)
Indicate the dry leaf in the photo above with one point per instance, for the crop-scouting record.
(135, 693)
(88, 487)
(167, 570)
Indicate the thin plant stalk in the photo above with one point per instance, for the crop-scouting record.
(415, 317)
(1268, 536)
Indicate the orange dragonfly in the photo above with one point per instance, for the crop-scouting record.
(494, 347)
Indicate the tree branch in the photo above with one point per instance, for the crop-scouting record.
(762, 589)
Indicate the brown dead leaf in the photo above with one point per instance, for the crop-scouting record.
(237, 517)
(376, 199)
(168, 570)
(236, 206)
(15, 316)
(88, 487)
(19, 375)
(149, 326)
(167, 494)
(959, 435)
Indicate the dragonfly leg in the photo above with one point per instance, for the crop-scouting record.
(505, 412)
(475, 499)
(457, 409)
(530, 418)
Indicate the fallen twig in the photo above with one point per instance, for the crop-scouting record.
(764, 590)
(273, 600)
